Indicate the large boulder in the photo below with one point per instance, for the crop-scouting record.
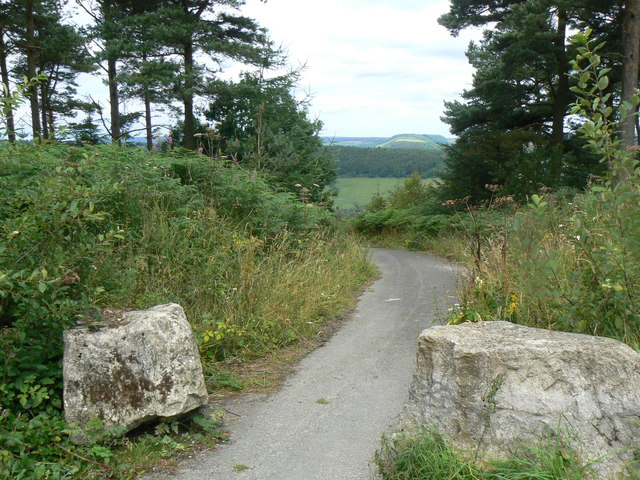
(489, 387)
(142, 366)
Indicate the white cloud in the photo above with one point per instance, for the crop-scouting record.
(374, 67)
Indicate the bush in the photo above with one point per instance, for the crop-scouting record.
(108, 226)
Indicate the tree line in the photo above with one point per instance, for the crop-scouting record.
(163, 55)
(387, 162)
(514, 125)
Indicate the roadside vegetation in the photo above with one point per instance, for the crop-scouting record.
(86, 228)
(423, 454)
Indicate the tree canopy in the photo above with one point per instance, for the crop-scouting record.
(513, 123)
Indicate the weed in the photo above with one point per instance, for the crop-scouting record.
(87, 228)
(423, 454)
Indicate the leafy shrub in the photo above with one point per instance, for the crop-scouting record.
(91, 227)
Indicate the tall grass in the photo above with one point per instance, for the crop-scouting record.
(242, 294)
(82, 229)
(563, 263)
(423, 454)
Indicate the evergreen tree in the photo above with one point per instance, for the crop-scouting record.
(37, 43)
(150, 71)
(267, 128)
(7, 20)
(217, 32)
(520, 90)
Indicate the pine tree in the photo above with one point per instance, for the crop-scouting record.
(521, 82)
(267, 128)
(6, 49)
(213, 29)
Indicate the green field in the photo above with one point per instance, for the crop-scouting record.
(358, 191)
(354, 192)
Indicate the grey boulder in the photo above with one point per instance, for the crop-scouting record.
(144, 366)
(491, 387)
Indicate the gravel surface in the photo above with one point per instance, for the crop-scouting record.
(326, 423)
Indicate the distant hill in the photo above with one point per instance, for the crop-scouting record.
(364, 142)
(418, 142)
(405, 140)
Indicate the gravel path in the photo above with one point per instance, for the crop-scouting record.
(326, 423)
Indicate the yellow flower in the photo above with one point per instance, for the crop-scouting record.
(513, 305)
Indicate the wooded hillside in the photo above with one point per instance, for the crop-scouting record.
(387, 162)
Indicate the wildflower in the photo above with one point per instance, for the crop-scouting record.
(513, 305)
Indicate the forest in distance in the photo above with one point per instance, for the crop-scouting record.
(386, 162)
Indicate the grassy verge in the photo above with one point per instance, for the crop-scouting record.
(424, 455)
(84, 229)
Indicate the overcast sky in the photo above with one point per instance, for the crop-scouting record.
(374, 67)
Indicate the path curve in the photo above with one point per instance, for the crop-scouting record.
(363, 373)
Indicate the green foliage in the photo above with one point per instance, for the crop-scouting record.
(414, 212)
(108, 226)
(265, 127)
(399, 211)
(593, 102)
(424, 455)
(512, 124)
(387, 162)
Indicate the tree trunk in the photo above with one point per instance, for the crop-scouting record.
(631, 48)
(4, 73)
(114, 100)
(31, 70)
(147, 121)
(44, 105)
(561, 97)
(50, 118)
(189, 122)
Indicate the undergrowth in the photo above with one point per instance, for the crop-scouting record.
(84, 228)
(424, 454)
